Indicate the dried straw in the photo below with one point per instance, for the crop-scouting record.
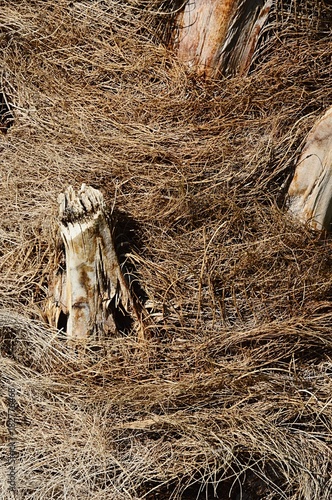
(231, 394)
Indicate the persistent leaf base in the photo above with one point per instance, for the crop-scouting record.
(215, 36)
(310, 192)
(91, 296)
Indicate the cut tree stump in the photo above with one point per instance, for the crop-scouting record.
(215, 36)
(90, 296)
(310, 192)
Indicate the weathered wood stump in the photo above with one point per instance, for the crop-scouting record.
(90, 297)
(310, 192)
(220, 35)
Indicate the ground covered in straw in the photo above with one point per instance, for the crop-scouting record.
(230, 396)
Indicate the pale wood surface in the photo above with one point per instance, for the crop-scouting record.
(93, 287)
(220, 35)
(310, 192)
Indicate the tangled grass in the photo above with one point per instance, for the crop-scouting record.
(230, 394)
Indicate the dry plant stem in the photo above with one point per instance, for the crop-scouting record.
(94, 285)
(220, 35)
(310, 192)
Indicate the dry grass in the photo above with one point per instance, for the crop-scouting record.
(231, 395)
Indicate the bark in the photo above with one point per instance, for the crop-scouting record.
(310, 192)
(91, 296)
(220, 35)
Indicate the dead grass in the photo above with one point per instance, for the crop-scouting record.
(235, 382)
